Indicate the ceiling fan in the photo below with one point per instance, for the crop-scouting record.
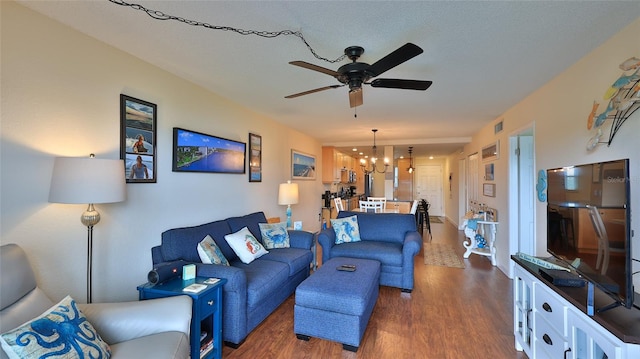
(356, 73)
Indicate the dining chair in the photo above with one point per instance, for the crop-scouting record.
(604, 245)
(379, 199)
(338, 203)
(414, 207)
(371, 206)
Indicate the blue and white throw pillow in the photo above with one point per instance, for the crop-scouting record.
(210, 253)
(346, 229)
(60, 332)
(245, 245)
(274, 235)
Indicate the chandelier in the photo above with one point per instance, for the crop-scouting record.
(411, 168)
(373, 168)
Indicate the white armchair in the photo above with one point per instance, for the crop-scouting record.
(157, 328)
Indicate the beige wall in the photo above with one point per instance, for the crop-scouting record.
(558, 113)
(60, 97)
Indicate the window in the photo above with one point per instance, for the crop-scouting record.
(570, 179)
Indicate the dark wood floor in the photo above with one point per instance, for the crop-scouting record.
(452, 313)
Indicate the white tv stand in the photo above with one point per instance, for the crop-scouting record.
(551, 322)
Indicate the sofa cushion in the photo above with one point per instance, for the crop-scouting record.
(250, 221)
(245, 245)
(346, 229)
(182, 243)
(169, 345)
(210, 253)
(63, 329)
(386, 253)
(386, 227)
(274, 235)
(296, 258)
(264, 277)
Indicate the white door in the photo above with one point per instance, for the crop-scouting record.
(473, 180)
(429, 186)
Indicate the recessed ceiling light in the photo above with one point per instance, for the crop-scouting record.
(355, 149)
(430, 157)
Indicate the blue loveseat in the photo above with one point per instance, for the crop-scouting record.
(253, 291)
(390, 238)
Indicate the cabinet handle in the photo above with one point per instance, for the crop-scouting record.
(566, 352)
(210, 302)
(547, 339)
(547, 307)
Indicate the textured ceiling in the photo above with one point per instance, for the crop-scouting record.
(482, 56)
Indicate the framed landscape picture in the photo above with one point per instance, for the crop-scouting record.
(198, 152)
(138, 139)
(303, 165)
(255, 158)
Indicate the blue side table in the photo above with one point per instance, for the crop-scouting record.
(206, 313)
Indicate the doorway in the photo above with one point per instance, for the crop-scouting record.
(429, 185)
(521, 194)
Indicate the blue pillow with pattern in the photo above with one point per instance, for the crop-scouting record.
(60, 332)
(274, 235)
(346, 229)
(210, 253)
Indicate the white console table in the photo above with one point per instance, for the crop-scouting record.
(550, 322)
(486, 229)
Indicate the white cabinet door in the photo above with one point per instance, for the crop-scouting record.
(523, 310)
(588, 341)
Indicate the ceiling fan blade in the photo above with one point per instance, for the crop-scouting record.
(401, 84)
(355, 98)
(402, 54)
(312, 91)
(313, 67)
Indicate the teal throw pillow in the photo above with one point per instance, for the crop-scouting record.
(60, 332)
(274, 235)
(346, 229)
(210, 253)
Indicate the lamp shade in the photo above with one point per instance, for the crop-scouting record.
(87, 180)
(288, 193)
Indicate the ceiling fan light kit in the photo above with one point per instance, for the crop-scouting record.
(355, 74)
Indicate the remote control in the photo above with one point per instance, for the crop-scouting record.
(346, 267)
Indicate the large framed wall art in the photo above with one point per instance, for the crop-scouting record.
(198, 152)
(303, 165)
(138, 139)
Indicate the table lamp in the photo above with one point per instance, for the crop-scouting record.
(87, 180)
(288, 195)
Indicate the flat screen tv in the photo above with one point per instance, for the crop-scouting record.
(198, 152)
(588, 224)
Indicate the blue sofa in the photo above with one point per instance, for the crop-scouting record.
(390, 238)
(253, 291)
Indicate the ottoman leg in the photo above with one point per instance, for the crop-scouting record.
(350, 348)
(303, 337)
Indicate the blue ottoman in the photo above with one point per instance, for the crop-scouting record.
(336, 305)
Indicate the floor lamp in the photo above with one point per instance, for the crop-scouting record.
(87, 180)
(288, 195)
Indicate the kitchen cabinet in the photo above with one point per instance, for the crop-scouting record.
(336, 166)
(331, 165)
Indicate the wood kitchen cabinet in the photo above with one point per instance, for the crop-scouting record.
(331, 165)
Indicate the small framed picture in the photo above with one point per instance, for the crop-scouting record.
(297, 225)
(303, 165)
(138, 139)
(488, 172)
(255, 158)
(491, 152)
(489, 189)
